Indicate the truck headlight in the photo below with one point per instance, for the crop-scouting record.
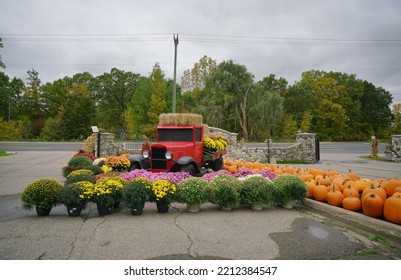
(169, 155)
(146, 154)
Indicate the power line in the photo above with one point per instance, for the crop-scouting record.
(202, 38)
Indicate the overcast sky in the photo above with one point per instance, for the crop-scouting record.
(60, 38)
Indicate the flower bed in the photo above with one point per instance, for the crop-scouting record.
(379, 198)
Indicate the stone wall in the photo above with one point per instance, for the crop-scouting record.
(396, 142)
(303, 149)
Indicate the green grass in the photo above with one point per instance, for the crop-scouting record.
(381, 239)
(377, 159)
(3, 153)
(368, 252)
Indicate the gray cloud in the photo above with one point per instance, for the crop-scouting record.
(279, 37)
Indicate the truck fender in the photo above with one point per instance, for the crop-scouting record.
(183, 161)
(138, 161)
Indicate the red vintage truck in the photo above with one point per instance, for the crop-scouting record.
(179, 148)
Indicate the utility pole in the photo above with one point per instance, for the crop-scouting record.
(175, 37)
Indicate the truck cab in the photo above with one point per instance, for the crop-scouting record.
(178, 148)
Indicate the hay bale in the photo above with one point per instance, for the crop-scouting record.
(180, 119)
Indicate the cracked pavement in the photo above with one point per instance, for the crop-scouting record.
(311, 231)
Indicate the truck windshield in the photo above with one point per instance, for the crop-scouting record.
(184, 135)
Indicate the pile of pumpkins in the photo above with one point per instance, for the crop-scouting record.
(376, 198)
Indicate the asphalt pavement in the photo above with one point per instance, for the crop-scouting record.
(310, 231)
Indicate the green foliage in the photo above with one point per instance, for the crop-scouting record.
(73, 194)
(193, 191)
(11, 130)
(76, 163)
(289, 188)
(257, 189)
(158, 102)
(77, 114)
(225, 191)
(338, 106)
(113, 92)
(2, 65)
(136, 192)
(79, 176)
(397, 118)
(94, 168)
(42, 193)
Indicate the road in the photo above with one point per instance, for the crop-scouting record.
(314, 231)
(361, 148)
(40, 146)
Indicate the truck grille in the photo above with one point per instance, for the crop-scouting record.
(158, 158)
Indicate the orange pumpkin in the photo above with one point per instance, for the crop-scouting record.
(378, 191)
(397, 189)
(352, 175)
(350, 191)
(372, 205)
(392, 209)
(352, 203)
(311, 187)
(324, 181)
(335, 197)
(320, 193)
(391, 185)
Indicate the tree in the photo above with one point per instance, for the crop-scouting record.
(194, 79)
(158, 103)
(376, 109)
(397, 118)
(2, 65)
(266, 110)
(77, 113)
(136, 115)
(113, 92)
(224, 99)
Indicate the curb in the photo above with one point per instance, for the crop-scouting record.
(356, 217)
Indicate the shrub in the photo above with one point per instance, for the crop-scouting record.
(85, 154)
(257, 189)
(79, 176)
(289, 188)
(225, 191)
(94, 168)
(42, 193)
(76, 163)
(136, 192)
(76, 193)
(193, 191)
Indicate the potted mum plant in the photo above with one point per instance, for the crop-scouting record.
(42, 194)
(80, 175)
(225, 191)
(135, 193)
(106, 194)
(118, 163)
(75, 196)
(194, 192)
(163, 192)
(256, 191)
(290, 188)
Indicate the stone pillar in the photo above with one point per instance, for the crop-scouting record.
(396, 142)
(308, 146)
(107, 145)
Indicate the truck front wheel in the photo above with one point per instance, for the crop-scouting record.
(134, 165)
(188, 168)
